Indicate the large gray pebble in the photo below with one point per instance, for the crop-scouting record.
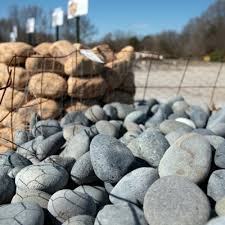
(74, 117)
(110, 158)
(179, 107)
(216, 185)
(129, 136)
(77, 146)
(133, 186)
(220, 156)
(174, 99)
(120, 215)
(46, 177)
(22, 137)
(10, 159)
(135, 117)
(157, 118)
(214, 140)
(216, 118)
(198, 116)
(46, 128)
(82, 171)
(219, 129)
(217, 221)
(190, 156)
(110, 111)
(7, 188)
(80, 220)
(66, 203)
(122, 109)
(107, 128)
(50, 146)
(169, 126)
(95, 113)
(175, 135)
(97, 193)
(149, 146)
(21, 214)
(175, 200)
(34, 196)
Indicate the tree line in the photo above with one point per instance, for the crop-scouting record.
(201, 36)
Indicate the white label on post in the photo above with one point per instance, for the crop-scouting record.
(91, 55)
(15, 31)
(77, 8)
(30, 26)
(12, 37)
(57, 17)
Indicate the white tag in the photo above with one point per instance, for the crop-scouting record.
(30, 26)
(91, 55)
(57, 17)
(77, 8)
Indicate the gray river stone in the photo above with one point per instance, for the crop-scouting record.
(22, 137)
(82, 171)
(110, 111)
(80, 220)
(219, 158)
(175, 200)
(7, 188)
(190, 156)
(135, 117)
(46, 128)
(74, 117)
(110, 158)
(46, 177)
(97, 193)
(180, 107)
(77, 146)
(217, 117)
(133, 186)
(149, 146)
(122, 109)
(216, 185)
(23, 213)
(120, 215)
(218, 129)
(33, 196)
(95, 113)
(107, 128)
(215, 141)
(217, 221)
(66, 203)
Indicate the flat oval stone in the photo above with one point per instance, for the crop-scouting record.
(46, 177)
(66, 203)
(186, 121)
(135, 117)
(95, 113)
(106, 128)
(219, 158)
(120, 215)
(216, 185)
(74, 117)
(168, 126)
(190, 156)
(80, 220)
(24, 213)
(175, 200)
(133, 186)
(110, 158)
(220, 207)
(217, 221)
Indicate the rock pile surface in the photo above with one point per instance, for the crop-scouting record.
(119, 164)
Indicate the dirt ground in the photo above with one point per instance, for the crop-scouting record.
(165, 78)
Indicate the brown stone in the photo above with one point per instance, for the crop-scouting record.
(128, 84)
(10, 49)
(86, 88)
(49, 85)
(105, 51)
(45, 108)
(39, 64)
(43, 49)
(19, 77)
(6, 138)
(126, 53)
(3, 149)
(13, 99)
(118, 96)
(78, 65)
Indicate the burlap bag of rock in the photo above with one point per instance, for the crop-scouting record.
(4, 113)
(62, 50)
(3, 149)
(118, 96)
(10, 49)
(43, 49)
(79, 46)
(77, 105)
(126, 53)
(128, 84)
(19, 77)
(78, 65)
(6, 138)
(86, 88)
(49, 85)
(105, 51)
(45, 108)
(39, 64)
(13, 99)
(115, 73)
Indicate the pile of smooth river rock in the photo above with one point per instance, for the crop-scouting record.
(150, 163)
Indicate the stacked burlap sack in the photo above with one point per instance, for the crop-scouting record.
(55, 78)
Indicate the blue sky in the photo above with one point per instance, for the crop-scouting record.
(140, 17)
